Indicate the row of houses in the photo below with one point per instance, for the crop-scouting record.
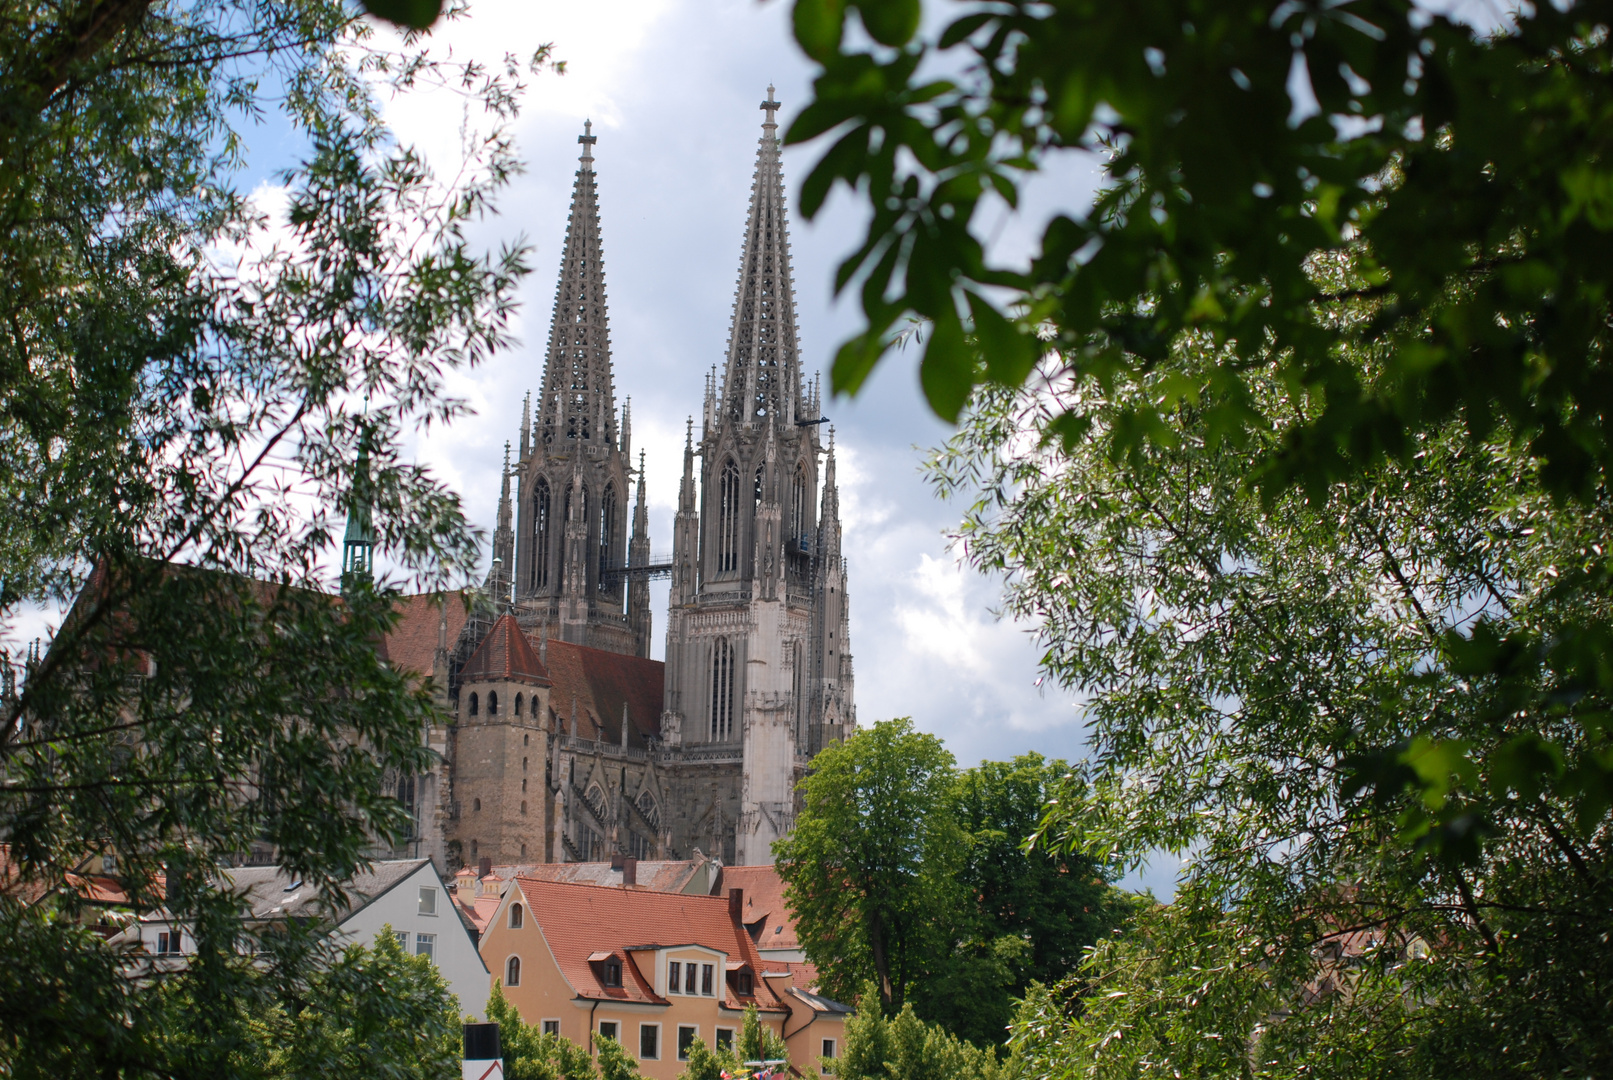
(654, 954)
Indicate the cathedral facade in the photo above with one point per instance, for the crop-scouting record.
(561, 739)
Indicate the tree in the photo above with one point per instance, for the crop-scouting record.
(1397, 218)
(344, 1027)
(906, 1048)
(1028, 915)
(870, 870)
(1417, 912)
(191, 398)
(756, 1042)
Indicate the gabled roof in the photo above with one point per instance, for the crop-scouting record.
(601, 682)
(505, 655)
(272, 894)
(579, 921)
(412, 644)
(764, 903)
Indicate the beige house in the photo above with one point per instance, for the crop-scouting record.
(654, 970)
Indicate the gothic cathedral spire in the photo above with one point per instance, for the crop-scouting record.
(750, 611)
(571, 533)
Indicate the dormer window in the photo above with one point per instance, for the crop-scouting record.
(742, 984)
(612, 973)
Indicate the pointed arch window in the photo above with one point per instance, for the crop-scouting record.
(798, 510)
(728, 519)
(646, 806)
(607, 534)
(722, 691)
(542, 526)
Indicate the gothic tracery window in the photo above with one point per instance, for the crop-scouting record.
(728, 519)
(607, 533)
(722, 691)
(798, 512)
(542, 526)
(646, 806)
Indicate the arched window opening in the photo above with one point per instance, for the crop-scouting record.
(474, 704)
(722, 691)
(515, 916)
(542, 526)
(607, 534)
(646, 806)
(492, 703)
(512, 971)
(519, 701)
(527, 738)
(476, 805)
(728, 519)
(798, 510)
(523, 808)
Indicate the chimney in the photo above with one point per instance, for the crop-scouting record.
(736, 904)
(465, 889)
(629, 872)
(616, 861)
(485, 867)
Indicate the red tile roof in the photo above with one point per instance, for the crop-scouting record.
(412, 644)
(600, 682)
(505, 654)
(764, 902)
(581, 920)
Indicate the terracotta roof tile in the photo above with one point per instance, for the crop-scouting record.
(583, 920)
(412, 644)
(764, 901)
(601, 682)
(504, 654)
(655, 875)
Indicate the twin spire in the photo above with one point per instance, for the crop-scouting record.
(578, 403)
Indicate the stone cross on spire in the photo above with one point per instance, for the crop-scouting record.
(588, 139)
(770, 107)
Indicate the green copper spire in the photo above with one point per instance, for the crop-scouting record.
(358, 543)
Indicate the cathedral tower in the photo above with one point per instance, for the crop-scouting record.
(574, 466)
(757, 658)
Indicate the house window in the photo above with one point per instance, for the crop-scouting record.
(403, 939)
(428, 901)
(473, 704)
(551, 1027)
(725, 1038)
(687, 1033)
(515, 916)
(649, 1041)
(512, 971)
(425, 945)
(828, 1052)
(613, 972)
(705, 979)
(492, 703)
(170, 943)
(674, 975)
(607, 1029)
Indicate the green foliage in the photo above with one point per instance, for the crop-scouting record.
(871, 866)
(345, 1026)
(1243, 665)
(1424, 249)
(937, 861)
(186, 389)
(1028, 915)
(757, 1041)
(906, 1048)
(529, 1052)
(614, 1062)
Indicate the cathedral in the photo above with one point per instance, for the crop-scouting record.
(560, 739)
